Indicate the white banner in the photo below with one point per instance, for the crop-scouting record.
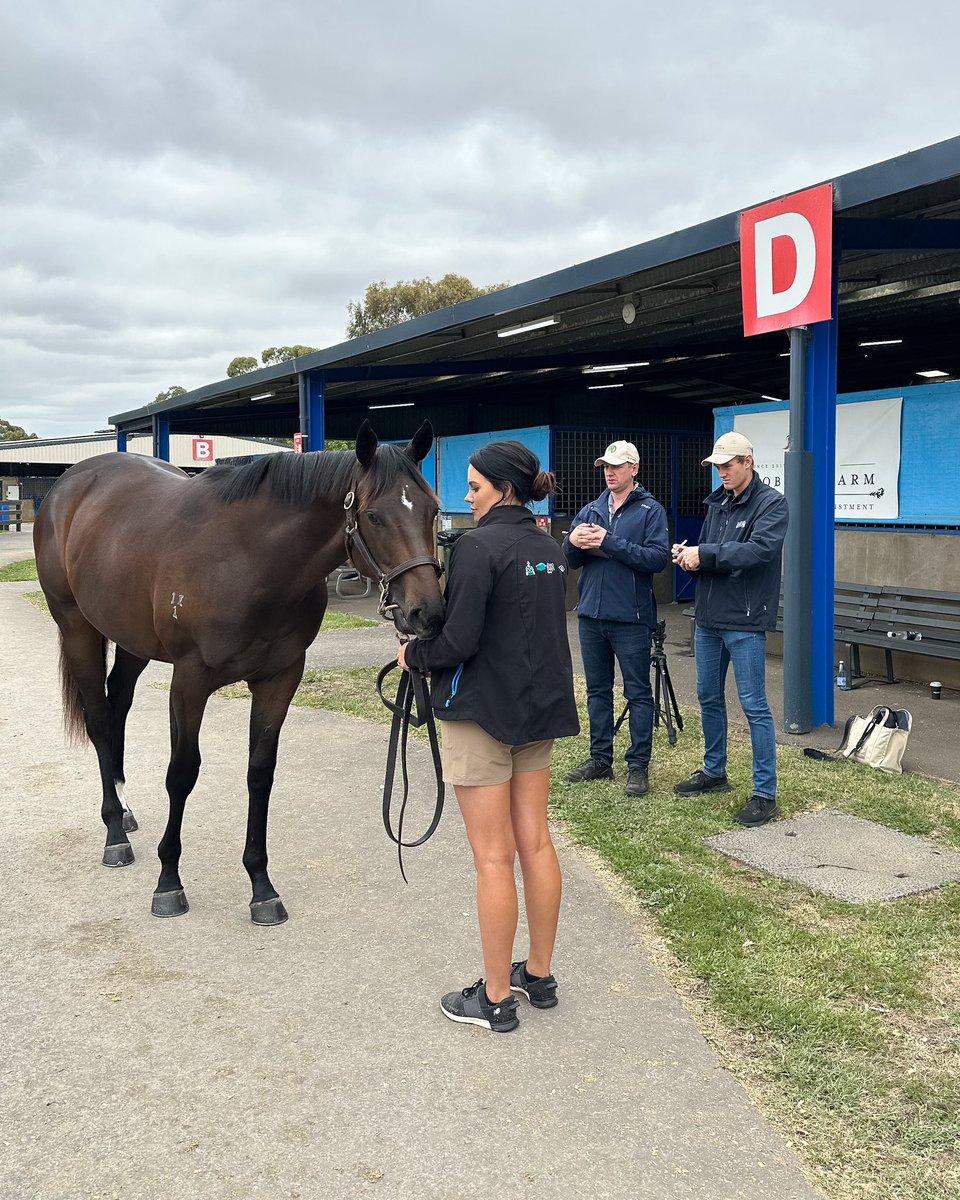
(868, 456)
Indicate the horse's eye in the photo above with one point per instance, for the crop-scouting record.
(374, 519)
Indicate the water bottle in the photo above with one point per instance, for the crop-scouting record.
(842, 676)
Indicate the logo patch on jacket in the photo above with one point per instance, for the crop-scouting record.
(740, 525)
(528, 569)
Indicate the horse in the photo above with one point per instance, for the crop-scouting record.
(222, 574)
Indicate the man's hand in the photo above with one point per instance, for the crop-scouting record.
(402, 656)
(687, 557)
(588, 537)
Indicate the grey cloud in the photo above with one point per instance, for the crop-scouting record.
(181, 182)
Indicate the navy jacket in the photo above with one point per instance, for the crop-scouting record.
(617, 584)
(502, 658)
(741, 550)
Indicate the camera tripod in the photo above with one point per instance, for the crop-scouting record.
(662, 689)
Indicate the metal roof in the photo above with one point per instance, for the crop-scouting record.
(895, 283)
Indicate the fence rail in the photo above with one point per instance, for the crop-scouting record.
(11, 514)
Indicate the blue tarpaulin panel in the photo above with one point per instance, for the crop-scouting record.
(454, 459)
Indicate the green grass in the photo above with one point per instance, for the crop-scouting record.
(37, 599)
(342, 620)
(842, 1020)
(19, 572)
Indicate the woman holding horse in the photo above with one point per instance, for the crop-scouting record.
(503, 689)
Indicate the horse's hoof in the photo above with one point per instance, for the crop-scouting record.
(129, 821)
(120, 855)
(169, 904)
(268, 912)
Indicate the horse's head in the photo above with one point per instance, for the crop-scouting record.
(390, 530)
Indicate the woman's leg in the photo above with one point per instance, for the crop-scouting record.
(538, 862)
(486, 814)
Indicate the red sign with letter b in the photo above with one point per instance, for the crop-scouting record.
(786, 261)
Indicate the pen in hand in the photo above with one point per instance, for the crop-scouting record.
(678, 548)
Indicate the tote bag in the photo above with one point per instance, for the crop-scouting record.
(878, 740)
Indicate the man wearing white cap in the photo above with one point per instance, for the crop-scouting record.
(619, 541)
(738, 564)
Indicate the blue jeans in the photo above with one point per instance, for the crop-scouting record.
(715, 649)
(600, 641)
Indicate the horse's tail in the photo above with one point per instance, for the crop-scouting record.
(74, 724)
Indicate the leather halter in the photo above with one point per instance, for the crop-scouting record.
(355, 542)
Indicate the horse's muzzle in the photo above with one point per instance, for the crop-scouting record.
(421, 619)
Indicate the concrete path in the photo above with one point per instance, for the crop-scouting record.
(203, 1057)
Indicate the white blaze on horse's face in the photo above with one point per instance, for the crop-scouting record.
(405, 499)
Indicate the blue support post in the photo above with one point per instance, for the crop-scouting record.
(820, 437)
(161, 436)
(798, 562)
(122, 441)
(312, 411)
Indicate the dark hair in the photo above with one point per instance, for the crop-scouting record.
(511, 462)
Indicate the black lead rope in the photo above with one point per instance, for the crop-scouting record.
(412, 689)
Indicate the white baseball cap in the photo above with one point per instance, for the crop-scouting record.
(618, 453)
(731, 445)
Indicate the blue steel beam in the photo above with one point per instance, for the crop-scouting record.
(820, 437)
(312, 408)
(121, 441)
(209, 418)
(161, 436)
(856, 233)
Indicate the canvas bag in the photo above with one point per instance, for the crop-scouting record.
(879, 739)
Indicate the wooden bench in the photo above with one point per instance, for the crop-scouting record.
(907, 621)
(888, 618)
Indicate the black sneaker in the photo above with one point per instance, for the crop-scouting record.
(593, 768)
(637, 782)
(471, 1007)
(700, 782)
(758, 811)
(540, 990)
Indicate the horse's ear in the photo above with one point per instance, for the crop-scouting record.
(419, 445)
(367, 442)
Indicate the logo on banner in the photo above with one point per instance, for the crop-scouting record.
(203, 450)
(298, 443)
(786, 261)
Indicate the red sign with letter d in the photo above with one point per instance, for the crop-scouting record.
(786, 261)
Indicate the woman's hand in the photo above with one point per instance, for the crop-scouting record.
(402, 656)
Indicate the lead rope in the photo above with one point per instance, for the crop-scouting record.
(413, 688)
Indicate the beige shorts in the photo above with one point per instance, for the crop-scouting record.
(472, 758)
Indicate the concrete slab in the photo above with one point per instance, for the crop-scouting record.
(842, 856)
(208, 1059)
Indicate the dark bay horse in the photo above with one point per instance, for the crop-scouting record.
(224, 576)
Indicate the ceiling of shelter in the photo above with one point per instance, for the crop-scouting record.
(685, 336)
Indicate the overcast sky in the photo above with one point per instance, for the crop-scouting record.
(183, 181)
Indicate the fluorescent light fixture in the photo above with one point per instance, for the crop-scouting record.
(261, 396)
(405, 404)
(886, 342)
(934, 374)
(614, 367)
(779, 399)
(529, 327)
(602, 387)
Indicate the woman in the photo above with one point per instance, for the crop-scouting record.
(503, 689)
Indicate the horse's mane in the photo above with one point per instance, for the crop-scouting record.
(301, 478)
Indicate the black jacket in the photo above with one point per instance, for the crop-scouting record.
(741, 545)
(502, 658)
